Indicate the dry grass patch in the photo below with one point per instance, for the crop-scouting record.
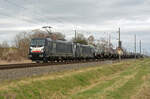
(144, 90)
(117, 84)
(143, 93)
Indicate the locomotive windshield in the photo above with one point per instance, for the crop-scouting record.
(37, 42)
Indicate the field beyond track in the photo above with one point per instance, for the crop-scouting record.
(125, 80)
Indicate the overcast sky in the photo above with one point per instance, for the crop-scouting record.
(90, 17)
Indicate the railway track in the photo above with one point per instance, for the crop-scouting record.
(28, 65)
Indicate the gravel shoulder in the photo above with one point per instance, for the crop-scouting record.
(14, 74)
(15, 62)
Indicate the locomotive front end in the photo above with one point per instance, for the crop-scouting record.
(37, 49)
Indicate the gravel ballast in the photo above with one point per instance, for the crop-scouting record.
(13, 74)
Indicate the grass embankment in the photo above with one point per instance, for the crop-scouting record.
(115, 81)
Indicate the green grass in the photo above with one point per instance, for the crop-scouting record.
(115, 81)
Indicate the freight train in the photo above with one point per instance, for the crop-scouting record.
(46, 49)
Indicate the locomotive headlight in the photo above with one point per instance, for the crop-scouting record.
(30, 49)
(42, 50)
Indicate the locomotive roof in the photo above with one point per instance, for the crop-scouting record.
(49, 39)
(63, 41)
(37, 38)
(86, 45)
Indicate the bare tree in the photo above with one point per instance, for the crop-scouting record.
(42, 34)
(59, 36)
(104, 45)
(5, 44)
(37, 33)
(22, 43)
(91, 40)
(4, 48)
(80, 39)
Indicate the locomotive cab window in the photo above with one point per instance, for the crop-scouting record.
(37, 42)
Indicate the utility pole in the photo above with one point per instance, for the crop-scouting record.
(119, 45)
(135, 45)
(140, 47)
(109, 41)
(119, 41)
(75, 35)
